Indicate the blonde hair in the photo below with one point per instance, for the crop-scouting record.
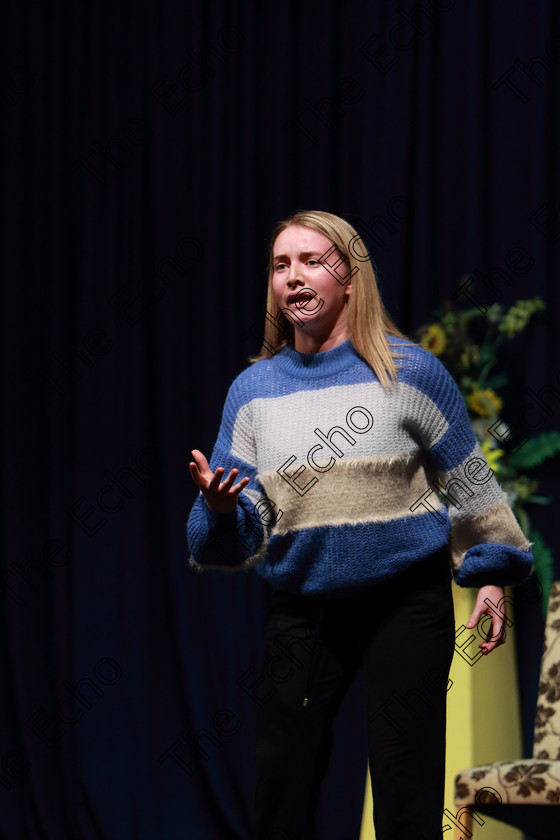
(367, 321)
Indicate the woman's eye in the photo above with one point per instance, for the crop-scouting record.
(280, 266)
(313, 262)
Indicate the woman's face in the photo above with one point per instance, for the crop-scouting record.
(319, 313)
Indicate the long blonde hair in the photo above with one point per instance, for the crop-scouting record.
(367, 321)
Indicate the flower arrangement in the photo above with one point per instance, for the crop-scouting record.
(467, 342)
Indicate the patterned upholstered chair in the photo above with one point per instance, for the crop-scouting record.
(511, 790)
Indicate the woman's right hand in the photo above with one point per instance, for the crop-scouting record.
(220, 496)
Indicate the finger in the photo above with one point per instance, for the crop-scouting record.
(201, 462)
(195, 473)
(200, 481)
(494, 635)
(473, 620)
(214, 482)
(200, 459)
(227, 483)
(489, 647)
(498, 631)
(242, 484)
(495, 639)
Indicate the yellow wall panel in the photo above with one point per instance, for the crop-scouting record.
(483, 716)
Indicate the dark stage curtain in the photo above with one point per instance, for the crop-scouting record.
(147, 150)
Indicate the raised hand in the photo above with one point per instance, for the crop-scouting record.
(220, 496)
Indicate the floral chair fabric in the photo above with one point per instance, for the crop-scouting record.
(535, 780)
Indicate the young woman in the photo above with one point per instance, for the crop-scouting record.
(325, 477)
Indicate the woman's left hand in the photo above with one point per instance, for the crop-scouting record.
(496, 633)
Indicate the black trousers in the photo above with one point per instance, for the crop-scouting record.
(402, 634)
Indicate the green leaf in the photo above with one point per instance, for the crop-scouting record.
(536, 450)
(543, 566)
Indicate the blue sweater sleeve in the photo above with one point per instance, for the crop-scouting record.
(235, 540)
(486, 542)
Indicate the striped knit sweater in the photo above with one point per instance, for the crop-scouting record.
(352, 483)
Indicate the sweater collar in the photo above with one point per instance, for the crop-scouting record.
(316, 365)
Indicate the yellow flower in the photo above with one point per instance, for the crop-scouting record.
(485, 402)
(524, 486)
(492, 455)
(470, 355)
(434, 340)
(517, 317)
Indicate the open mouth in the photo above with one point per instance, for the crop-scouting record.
(299, 298)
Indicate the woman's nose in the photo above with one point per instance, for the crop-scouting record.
(294, 272)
